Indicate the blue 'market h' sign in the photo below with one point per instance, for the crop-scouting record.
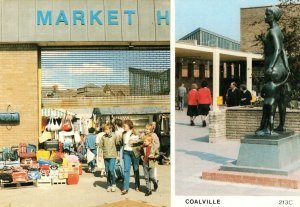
(80, 17)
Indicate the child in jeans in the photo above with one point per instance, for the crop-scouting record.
(149, 155)
(108, 145)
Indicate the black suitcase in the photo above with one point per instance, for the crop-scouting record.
(6, 178)
(51, 145)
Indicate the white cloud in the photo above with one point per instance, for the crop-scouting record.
(91, 69)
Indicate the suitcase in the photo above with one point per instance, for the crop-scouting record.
(45, 169)
(51, 145)
(27, 155)
(44, 162)
(73, 178)
(118, 171)
(31, 148)
(63, 172)
(22, 148)
(6, 178)
(9, 164)
(33, 174)
(42, 154)
(20, 176)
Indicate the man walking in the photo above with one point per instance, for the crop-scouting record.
(181, 96)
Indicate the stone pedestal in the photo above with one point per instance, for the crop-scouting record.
(278, 154)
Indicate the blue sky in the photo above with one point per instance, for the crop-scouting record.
(77, 68)
(219, 16)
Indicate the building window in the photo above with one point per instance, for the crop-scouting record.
(184, 72)
(196, 72)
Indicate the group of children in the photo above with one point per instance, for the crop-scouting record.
(121, 143)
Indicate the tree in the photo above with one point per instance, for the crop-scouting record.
(290, 25)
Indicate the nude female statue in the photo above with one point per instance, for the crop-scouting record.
(276, 88)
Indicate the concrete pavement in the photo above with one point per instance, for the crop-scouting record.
(195, 154)
(90, 192)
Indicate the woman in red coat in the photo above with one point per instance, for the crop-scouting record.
(192, 97)
(204, 101)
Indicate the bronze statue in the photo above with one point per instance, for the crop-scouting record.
(275, 90)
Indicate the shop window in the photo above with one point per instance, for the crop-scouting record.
(178, 69)
(196, 73)
(207, 71)
(184, 72)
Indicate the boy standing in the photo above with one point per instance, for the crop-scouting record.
(108, 145)
(149, 155)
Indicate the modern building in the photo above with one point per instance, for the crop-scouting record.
(211, 39)
(57, 47)
(218, 66)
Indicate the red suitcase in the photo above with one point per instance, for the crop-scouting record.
(73, 178)
(27, 154)
(20, 176)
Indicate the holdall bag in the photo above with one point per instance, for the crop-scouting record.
(20, 176)
(27, 155)
(73, 178)
(51, 145)
(42, 154)
(31, 148)
(22, 148)
(6, 178)
(44, 162)
(9, 117)
(34, 175)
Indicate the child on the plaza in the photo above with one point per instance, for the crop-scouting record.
(90, 144)
(108, 145)
(149, 156)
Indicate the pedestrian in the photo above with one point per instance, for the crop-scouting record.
(245, 96)
(90, 144)
(233, 95)
(204, 102)
(149, 157)
(100, 159)
(192, 97)
(109, 144)
(132, 152)
(181, 96)
(118, 123)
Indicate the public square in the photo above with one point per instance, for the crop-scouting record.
(90, 192)
(195, 154)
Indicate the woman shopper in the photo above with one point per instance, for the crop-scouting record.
(204, 101)
(192, 97)
(132, 152)
(118, 123)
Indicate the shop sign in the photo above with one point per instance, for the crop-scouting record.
(94, 17)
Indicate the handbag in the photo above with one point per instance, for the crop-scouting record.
(9, 116)
(66, 124)
(77, 137)
(90, 156)
(45, 136)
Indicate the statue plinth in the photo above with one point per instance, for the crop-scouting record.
(277, 154)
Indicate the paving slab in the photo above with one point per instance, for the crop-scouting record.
(194, 154)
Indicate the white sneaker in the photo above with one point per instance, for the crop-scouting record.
(113, 189)
(108, 189)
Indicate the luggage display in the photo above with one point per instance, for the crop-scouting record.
(51, 145)
(6, 178)
(42, 154)
(73, 178)
(20, 176)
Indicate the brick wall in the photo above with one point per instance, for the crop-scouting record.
(248, 32)
(250, 16)
(242, 121)
(19, 88)
(217, 126)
